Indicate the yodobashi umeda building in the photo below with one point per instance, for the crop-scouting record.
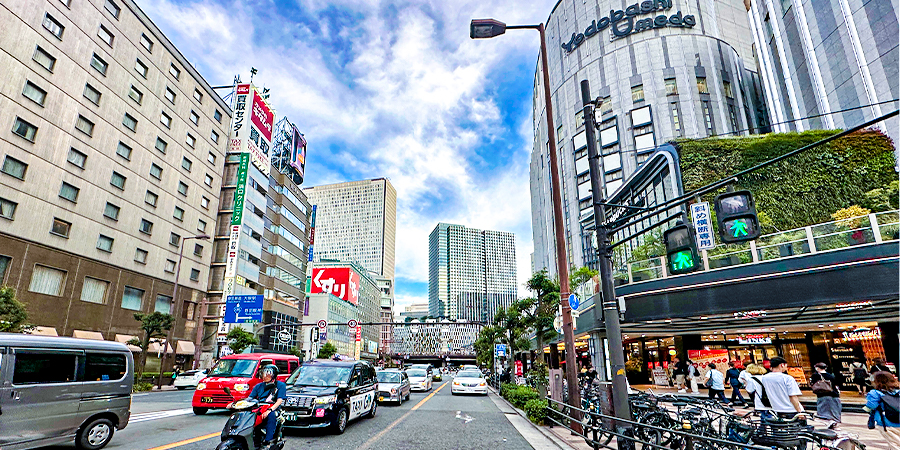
(663, 69)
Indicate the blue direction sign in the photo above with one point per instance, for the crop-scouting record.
(573, 301)
(500, 349)
(243, 308)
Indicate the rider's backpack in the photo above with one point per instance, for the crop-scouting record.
(890, 406)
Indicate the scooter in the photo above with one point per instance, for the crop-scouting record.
(243, 431)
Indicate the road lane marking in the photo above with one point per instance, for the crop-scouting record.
(187, 441)
(143, 417)
(381, 433)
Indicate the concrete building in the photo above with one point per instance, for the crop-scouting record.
(662, 70)
(471, 272)
(112, 154)
(414, 311)
(818, 59)
(386, 286)
(436, 338)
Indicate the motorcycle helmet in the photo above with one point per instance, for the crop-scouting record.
(270, 369)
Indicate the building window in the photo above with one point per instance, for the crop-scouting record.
(24, 129)
(186, 164)
(215, 138)
(146, 42)
(218, 116)
(130, 122)
(208, 180)
(146, 226)
(111, 211)
(204, 203)
(195, 118)
(53, 26)
(43, 58)
(124, 151)
(94, 290)
(60, 227)
(182, 188)
(151, 198)
(69, 192)
(195, 275)
(7, 211)
(117, 180)
(726, 85)
(163, 304)
(701, 85)
(76, 158)
(178, 214)
(198, 249)
(46, 280)
(133, 298)
(155, 171)
(637, 93)
(174, 71)
(676, 120)
(734, 120)
(105, 35)
(140, 68)
(136, 95)
(201, 225)
(671, 86)
(708, 117)
(198, 96)
(191, 141)
(165, 120)
(105, 243)
(140, 256)
(161, 145)
(170, 95)
(174, 239)
(170, 266)
(84, 125)
(605, 105)
(112, 8)
(93, 95)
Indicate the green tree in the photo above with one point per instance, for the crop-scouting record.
(155, 326)
(327, 351)
(540, 310)
(239, 339)
(13, 315)
(484, 345)
(580, 277)
(882, 199)
(512, 326)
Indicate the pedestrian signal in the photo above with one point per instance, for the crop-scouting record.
(681, 250)
(736, 217)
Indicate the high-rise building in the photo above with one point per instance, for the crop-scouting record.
(112, 153)
(414, 311)
(386, 286)
(356, 221)
(340, 292)
(471, 272)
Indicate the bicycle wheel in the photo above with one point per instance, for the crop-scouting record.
(657, 419)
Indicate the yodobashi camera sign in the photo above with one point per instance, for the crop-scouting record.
(624, 23)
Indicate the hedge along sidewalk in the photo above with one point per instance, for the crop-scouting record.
(538, 436)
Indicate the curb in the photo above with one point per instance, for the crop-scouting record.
(547, 434)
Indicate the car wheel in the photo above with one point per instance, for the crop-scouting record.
(200, 411)
(371, 413)
(95, 435)
(340, 423)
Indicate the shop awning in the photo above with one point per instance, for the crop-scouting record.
(93, 335)
(124, 338)
(44, 331)
(184, 348)
(158, 348)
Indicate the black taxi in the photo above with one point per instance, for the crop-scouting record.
(323, 393)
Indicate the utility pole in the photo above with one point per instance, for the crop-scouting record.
(604, 256)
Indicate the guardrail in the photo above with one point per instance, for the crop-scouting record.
(873, 228)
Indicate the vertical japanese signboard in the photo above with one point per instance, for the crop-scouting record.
(358, 341)
(702, 225)
(234, 237)
(312, 232)
(252, 125)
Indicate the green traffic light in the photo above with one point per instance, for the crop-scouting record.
(739, 228)
(683, 260)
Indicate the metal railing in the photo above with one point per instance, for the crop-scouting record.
(873, 228)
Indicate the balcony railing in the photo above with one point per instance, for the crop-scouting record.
(872, 228)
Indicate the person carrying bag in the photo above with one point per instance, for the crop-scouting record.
(883, 405)
(828, 397)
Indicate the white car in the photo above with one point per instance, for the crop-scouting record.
(419, 380)
(188, 379)
(469, 382)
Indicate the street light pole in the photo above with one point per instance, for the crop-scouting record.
(486, 28)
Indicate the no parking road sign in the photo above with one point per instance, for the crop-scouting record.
(322, 324)
(352, 323)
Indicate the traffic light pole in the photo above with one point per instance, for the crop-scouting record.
(621, 406)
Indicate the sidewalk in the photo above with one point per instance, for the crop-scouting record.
(851, 401)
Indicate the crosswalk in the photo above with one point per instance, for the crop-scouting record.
(147, 416)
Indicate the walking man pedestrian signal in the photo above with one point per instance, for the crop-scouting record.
(736, 217)
(681, 249)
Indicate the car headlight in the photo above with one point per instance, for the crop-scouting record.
(326, 399)
(242, 387)
(201, 386)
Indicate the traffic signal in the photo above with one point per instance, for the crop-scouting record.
(736, 217)
(681, 250)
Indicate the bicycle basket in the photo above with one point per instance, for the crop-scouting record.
(778, 434)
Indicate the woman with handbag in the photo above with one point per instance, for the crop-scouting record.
(828, 397)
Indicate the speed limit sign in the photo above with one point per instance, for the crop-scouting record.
(322, 324)
(352, 323)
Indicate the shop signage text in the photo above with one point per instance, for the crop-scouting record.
(852, 305)
(750, 314)
(754, 340)
(862, 334)
(623, 23)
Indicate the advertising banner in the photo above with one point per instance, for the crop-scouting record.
(263, 117)
(342, 282)
(252, 124)
(298, 151)
(704, 357)
(358, 342)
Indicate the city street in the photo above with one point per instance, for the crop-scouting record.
(435, 420)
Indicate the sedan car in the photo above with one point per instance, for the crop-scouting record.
(393, 386)
(469, 382)
(188, 379)
(419, 379)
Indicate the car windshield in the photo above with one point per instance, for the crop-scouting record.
(415, 372)
(469, 374)
(314, 375)
(234, 368)
(388, 377)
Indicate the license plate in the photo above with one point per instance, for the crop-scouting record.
(206, 399)
(289, 416)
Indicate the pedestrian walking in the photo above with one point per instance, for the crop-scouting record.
(733, 379)
(776, 392)
(679, 372)
(878, 365)
(715, 381)
(883, 403)
(828, 397)
(860, 375)
(694, 376)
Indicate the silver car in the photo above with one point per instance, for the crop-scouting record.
(393, 386)
(419, 379)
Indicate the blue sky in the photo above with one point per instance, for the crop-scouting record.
(389, 89)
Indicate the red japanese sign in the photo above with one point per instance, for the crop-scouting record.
(243, 89)
(262, 116)
(342, 282)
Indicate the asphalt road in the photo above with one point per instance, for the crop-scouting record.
(433, 420)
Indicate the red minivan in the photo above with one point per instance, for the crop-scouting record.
(238, 373)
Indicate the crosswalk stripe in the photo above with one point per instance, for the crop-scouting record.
(143, 417)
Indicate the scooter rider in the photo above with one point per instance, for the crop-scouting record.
(271, 390)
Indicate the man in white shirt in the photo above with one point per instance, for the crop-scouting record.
(780, 389)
